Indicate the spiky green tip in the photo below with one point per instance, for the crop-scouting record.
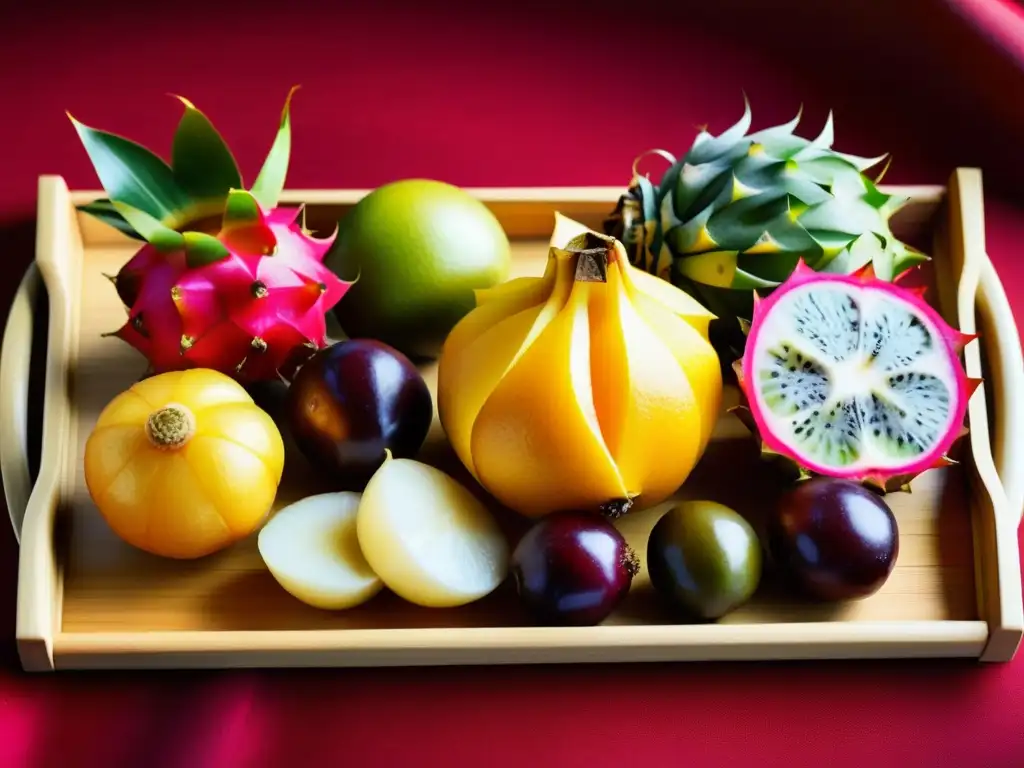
(740, 209)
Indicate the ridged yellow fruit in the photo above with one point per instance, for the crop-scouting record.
(184, 463)
(593, 387)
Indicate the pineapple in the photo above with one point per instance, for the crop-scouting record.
(740, 210)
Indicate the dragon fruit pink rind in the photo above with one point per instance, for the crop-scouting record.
(226, 280)
(244, 314)
(852, 377)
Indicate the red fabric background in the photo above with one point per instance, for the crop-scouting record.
(516, 94)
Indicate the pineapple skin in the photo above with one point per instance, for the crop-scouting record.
(738, 212)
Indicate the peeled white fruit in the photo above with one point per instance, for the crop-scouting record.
(429, 539)
(312, 550)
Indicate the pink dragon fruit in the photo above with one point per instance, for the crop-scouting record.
(227, 280)
(853, 377)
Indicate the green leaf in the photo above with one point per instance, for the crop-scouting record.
(905, 258)
(783, 145)
(202, 162)
(802, 187)
(760, 170)
(892, 205)
(202, 249)
(844, 214)
(151, 230)
(692, 237)
(648, 196)
(244, 227)
(714, 268)
(664, 212)
(772, 268)
(744, 281)
(105, 211)
(882, 260)
(778, 130)
(832, 243)
(241, 208)
(740, 225)
(133, 175)
(825, 169)
(270, 182)
(699, 186)
(826, 137)
(791, 237)
(866, 249)
(873, 196)
(651, 233)
(862, 163)
(706, 147)
(849, 185)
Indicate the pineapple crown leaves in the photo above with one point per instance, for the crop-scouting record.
(151, 200)
(741, 208)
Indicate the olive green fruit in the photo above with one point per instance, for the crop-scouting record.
(418, 249)
(704, 558)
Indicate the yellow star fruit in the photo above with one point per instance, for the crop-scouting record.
(592, 387)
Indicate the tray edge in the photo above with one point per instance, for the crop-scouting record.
(40, 641)
(523, 645)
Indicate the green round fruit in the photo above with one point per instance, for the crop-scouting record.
(704, 558)
(420, 249)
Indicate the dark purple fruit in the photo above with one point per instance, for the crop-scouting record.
(351, 401)
(834, 539)
(572, 568)
(271, 395)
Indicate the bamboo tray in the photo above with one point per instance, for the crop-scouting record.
(86, 600)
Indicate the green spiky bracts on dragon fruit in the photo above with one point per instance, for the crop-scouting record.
(740, 210)
(227, 279)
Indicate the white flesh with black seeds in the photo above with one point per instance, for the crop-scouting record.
(852, 377)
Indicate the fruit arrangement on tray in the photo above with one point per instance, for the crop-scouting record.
(573, 398)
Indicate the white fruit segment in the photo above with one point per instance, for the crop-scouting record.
(850, 377)
(312, 549)
(432, 542)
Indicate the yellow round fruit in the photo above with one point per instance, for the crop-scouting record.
(184, 464)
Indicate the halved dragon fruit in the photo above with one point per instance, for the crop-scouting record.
(853, 377)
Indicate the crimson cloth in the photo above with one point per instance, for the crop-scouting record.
(506, 94)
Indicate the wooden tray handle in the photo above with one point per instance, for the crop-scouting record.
(1006, 385)
(981, 306)
(15, 368)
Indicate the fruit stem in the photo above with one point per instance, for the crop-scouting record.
(592, 267)
(630, 561)
(615, 508)
(170, 427)
(593, 255)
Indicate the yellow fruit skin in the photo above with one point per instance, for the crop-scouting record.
(561, 393)
(191, 500)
